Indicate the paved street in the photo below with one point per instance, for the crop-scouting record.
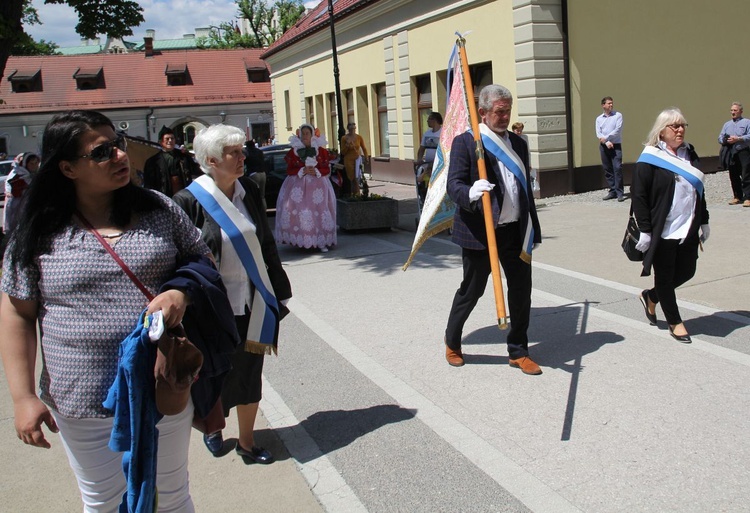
(366, 415)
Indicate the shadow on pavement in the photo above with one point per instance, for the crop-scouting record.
(334, 429)
(563, 341)
(716, 325)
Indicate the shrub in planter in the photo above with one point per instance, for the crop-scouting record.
(369, 212)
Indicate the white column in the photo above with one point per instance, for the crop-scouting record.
(302, 104)
(404, 93)
(540, 102)
(389, 61)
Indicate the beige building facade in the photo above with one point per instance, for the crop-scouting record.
(558, 57)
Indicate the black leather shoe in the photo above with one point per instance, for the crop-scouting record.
(609, 196)
(255, 455)
(214, 442)
(644, 301)
(216, 445)
(685, 339)
(620, 199)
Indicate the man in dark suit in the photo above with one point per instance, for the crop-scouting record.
(255, 168)
(514, 217)
(170, 170)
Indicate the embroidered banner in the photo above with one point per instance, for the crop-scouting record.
(438, 208)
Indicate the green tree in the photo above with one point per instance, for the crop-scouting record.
(226, 36)
(28, 46)
(115, 18)
(267, 24)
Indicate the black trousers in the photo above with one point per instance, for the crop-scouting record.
(674, 264)
(476, 265)
(739, 174)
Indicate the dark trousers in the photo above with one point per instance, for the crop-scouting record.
(346, 185)
(612, 164)
(476, 265)
(674, 264)
(739, 174)
(260, 178)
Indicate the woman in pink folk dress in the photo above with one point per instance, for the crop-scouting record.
(306, 206)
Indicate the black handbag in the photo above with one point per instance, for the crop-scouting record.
(632, 234)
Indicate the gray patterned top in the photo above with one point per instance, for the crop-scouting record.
(87, 305)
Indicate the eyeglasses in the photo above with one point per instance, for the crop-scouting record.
(677, 126)
(107, 151)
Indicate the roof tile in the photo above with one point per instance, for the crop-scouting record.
(315, 20)
(133, 80)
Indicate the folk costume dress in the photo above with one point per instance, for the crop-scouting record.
(306, 205)
(16, 184)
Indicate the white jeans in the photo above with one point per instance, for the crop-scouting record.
(99, 470)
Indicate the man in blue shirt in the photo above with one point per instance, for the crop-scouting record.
(609, 133)
(736, 135)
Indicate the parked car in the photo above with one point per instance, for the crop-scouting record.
(5, 167)
(275, 171)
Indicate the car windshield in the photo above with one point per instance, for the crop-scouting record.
(5, 167)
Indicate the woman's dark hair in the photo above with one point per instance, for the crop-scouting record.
(51, 198)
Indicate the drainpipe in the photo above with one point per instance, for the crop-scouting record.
(568, 100)
(148, 123)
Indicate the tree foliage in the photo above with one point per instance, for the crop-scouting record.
(267, 23)
(226, 36)
(25, 44)
(115, 18)
(28, 46)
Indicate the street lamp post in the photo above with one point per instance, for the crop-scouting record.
(339, 110)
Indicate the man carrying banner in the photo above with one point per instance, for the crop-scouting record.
(515, 220)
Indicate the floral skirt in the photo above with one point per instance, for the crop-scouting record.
(306, 212)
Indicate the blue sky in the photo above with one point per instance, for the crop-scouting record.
(170, 18)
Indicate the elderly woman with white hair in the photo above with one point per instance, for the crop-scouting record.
(227, 208)
(669, 205)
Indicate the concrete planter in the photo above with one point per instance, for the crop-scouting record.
(372, 214)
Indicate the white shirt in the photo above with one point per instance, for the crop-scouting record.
(232, 271)
(430, 142)
(510, 212)
(609, 127)
(681, 213)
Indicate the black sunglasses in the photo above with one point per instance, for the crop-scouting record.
(107, 151)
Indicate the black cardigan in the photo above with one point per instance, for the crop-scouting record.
(211, 234)
(652, 192)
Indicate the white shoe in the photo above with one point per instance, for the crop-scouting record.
(324, 250)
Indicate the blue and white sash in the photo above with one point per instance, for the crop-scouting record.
(503, 152)
(660, 158)
(262, 332)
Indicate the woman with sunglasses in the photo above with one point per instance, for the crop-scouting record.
(57, 274)
(669, 205)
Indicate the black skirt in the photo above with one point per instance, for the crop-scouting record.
(243, 383)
